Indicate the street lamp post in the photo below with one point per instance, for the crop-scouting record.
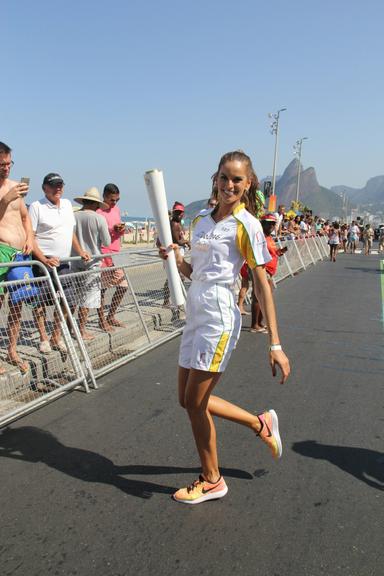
(297, 148)
(275, 130)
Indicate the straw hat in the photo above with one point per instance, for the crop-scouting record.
(93, 195)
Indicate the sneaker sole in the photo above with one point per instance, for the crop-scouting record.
(276, 434)
(205, 497)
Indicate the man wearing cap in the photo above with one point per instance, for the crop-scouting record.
(53, 223)
(177, 229)
(92, 233)
(15, 236)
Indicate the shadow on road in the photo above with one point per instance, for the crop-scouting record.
(369, 270)
(365, 465)
(30, 444)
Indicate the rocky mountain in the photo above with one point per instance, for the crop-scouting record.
(323, 201)
(372, 193)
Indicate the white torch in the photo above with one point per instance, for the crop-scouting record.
(154, 182)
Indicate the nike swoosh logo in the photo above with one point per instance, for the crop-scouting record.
(204, 491)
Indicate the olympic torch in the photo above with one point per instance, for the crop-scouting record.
(154, 182)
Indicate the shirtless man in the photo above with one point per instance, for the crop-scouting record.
(16, 235)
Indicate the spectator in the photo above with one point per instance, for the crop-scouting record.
(16, 236)
(319, 227)
(269, 223)
(326, 227)
(303, 227)
(177, 228)
(353, 237)
(212, 202)
(178, 237)
(344, 236)
(92, 232)
(53, 223)
(284, 227)
(334, 241)
(115, 277)
(246, 277)
(281, 216)
(294, 227)
(381, 239)
(311, 227)
(368, 235)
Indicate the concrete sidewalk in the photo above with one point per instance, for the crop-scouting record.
(86, 482)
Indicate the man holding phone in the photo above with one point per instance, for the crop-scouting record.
(114, 277)
(16, 236)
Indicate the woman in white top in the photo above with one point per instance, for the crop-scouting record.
(334, 241)
(222, 239)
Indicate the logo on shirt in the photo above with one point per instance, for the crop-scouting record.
(208, 236)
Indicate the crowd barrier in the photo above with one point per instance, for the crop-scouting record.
(43, 377)
(135, 280)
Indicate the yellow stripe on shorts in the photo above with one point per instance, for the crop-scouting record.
(219, 352)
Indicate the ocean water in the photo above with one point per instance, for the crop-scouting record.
(139, 219)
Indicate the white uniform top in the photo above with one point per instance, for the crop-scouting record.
(53, 226)
(218, 250)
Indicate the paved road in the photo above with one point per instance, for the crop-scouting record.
(86, 480)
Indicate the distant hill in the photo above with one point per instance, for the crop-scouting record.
(321, 200)
(194, 208)
(325, 202)
(372, 193)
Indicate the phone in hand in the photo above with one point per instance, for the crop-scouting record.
(24, 180)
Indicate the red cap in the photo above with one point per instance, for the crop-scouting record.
(269, 217)
(179, 207)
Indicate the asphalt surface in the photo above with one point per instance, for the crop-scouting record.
(86, 481)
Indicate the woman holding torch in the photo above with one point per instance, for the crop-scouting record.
(223, 238)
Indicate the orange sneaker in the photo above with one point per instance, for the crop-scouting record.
(200, 491)
(269, 432)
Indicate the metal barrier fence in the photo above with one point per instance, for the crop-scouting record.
(121, 310)
(100, 317)
(300, 254)
(29, 378)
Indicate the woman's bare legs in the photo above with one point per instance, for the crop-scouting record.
(195, 388)
(224, 409)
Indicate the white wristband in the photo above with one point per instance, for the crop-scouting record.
(274, 347)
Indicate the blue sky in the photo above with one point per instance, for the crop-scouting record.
(103, 91)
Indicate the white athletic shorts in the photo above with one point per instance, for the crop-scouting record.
(212, 327)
